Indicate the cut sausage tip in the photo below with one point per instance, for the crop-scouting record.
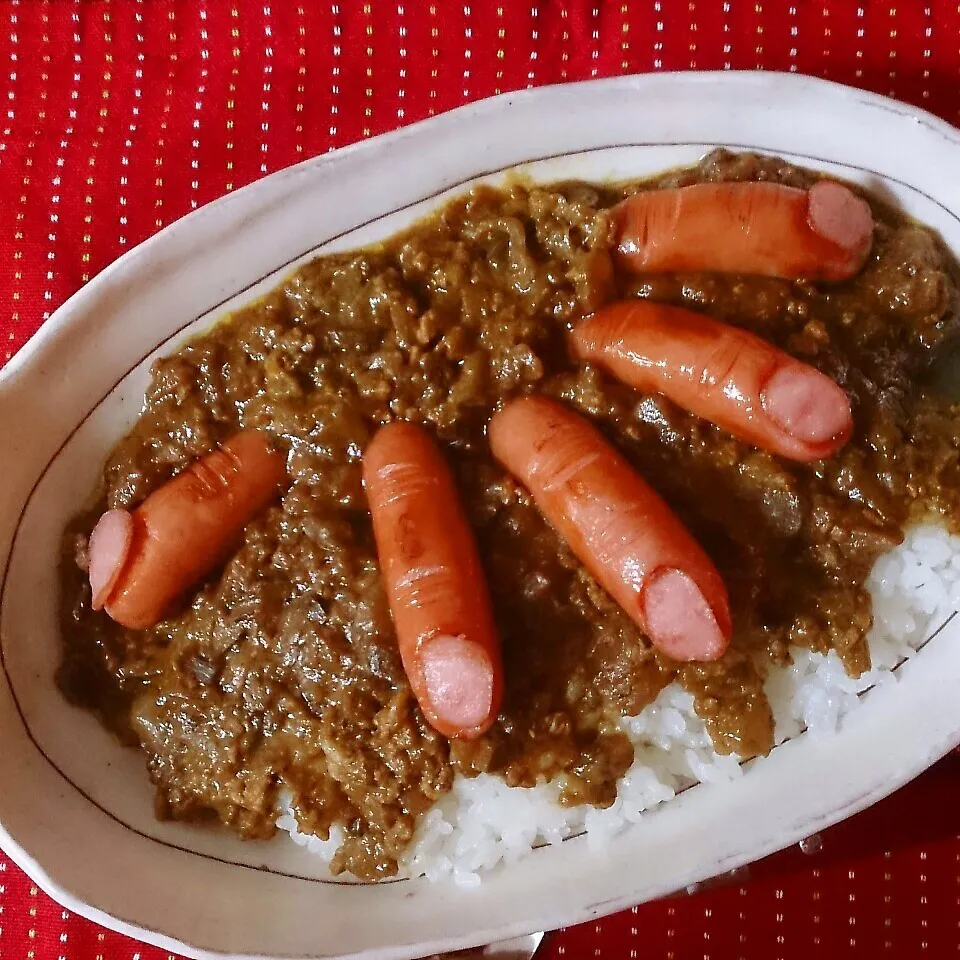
(459, 679)
(807, 404)
(679, 619)
(107, 552)
(837, 214)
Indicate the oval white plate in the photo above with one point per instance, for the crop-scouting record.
(76, 809)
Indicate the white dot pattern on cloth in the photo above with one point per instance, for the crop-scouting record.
(118, 118)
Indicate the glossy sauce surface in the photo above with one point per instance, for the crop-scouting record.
(282, 673)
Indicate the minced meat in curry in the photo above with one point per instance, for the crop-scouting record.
(282, 672)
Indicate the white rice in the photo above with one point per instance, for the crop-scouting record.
(482, 822)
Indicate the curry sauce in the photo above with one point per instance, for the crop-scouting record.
(281, 676)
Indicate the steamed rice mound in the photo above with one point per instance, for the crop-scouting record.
(483, 822)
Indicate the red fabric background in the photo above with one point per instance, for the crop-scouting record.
(118, 117)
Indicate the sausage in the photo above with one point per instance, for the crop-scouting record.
(434, 582)
(617, 525)
(823, 233)
(140, 563)
(721, 373)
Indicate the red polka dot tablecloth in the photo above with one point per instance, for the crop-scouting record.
(116, 118)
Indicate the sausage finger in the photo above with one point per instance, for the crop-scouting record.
(140, 563)
(434, 582)
(721, 373)
(767, 229)
(617, 525)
